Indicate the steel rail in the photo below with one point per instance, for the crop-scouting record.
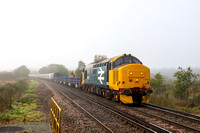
(164, 119)
(171, 122)
(143, 125)
(99, 122)
(175, 112)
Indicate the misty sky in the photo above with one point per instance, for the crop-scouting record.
(161, 33)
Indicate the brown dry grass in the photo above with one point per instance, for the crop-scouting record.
(5, 82)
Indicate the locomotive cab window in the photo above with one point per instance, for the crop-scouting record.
(126, 60)
(136, 61)
(119, 61)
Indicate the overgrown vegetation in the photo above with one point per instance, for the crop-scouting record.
(11, 92)
(182, 94)
(19, 102)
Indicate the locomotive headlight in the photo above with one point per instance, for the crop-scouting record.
(141, 73)
(131, 73)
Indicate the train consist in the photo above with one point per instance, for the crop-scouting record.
(122, 78)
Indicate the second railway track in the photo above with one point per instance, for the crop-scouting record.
(186, 120)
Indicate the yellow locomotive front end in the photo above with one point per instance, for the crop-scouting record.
(130, 80)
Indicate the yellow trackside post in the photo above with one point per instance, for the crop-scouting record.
(55, 116)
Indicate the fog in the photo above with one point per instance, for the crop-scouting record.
(162, 34)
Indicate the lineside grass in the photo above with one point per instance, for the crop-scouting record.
(25, 109)
(183, 105)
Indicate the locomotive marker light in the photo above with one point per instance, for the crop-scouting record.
(100, 78)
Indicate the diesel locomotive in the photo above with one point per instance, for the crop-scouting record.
(122, 78)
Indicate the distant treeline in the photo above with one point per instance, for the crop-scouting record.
(23, 72)
(7, 76)
(57, 68)
(20, 72)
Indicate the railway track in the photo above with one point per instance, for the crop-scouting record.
(107, 129)
(174, 123)
(180, 113)
(110, 118)
(172, 120)
(182, 119)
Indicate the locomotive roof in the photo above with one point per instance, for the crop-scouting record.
(103, 61)
(109, 60)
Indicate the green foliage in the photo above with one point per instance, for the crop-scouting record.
(26, 108)
(181, 94)
(11, 92)
(44, 70)
(1, 101)
(6, 117)
(185, 79)
(98, 58)
(22, 71)
(21, 111)
(79, 70)
(54, 68)
(58, 68)
(157, 83)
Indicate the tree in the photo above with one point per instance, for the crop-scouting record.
(54, 68)
(157, 83)
(98, 58)
(79, 70)
(185, 79)
(44, 70)
(58, 68)
(22, 71)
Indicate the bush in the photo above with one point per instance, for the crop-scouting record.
(26, 107)
(11, 92)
